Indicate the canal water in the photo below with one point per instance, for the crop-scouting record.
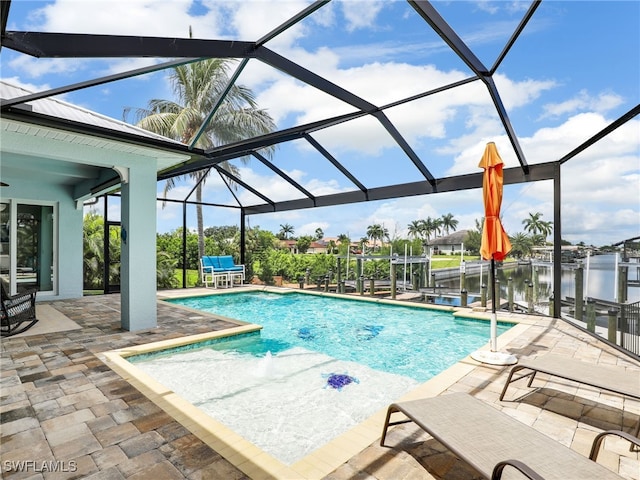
(599, 280)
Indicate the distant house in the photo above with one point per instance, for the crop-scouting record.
(449, 244)
(292, 246)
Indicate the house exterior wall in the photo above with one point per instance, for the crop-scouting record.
(68, 234)
(447, 249)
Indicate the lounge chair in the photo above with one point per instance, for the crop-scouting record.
(491, 441)
(18, 312)
(607, 378)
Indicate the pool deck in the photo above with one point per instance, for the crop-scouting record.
(61, 404)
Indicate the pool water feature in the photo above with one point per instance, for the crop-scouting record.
(319, 367)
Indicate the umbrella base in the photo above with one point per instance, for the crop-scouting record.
(494, 358)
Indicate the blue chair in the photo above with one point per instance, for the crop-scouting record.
(212, 272)
(234, 271)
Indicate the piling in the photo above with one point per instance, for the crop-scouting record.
(510, 293)
(393, 281)
(612, 327)
(530, 308)
(591, 314)
(579, 307)
(372, 286)
(483, 295)
(463, 298)
(623, 281)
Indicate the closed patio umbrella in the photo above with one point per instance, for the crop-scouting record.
(495, 242)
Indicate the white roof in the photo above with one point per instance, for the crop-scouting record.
(63, 110)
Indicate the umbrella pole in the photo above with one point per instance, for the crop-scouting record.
(494, 318)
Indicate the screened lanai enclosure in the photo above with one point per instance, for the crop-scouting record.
(401, 112)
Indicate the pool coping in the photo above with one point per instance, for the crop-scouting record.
(246, 456)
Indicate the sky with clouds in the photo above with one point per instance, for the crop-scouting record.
(574, 70)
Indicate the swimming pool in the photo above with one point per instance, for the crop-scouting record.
(319, 366)
(412, 341)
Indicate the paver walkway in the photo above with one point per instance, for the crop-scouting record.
(64, 414)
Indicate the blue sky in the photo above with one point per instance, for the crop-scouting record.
(575, 69)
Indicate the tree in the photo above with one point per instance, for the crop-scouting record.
(535, 225)
(303, 243)
(521, 245)
(473, 240)
(93, 256)
(319, 234)
(285, 231)
(198, 88)
(363, 243)
(449, 223)
(376, 232)
(415, 229)
(430, 226)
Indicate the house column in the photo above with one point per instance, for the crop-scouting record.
(138, 255)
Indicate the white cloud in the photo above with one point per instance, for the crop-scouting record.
(601, 103)
(130, 17)
(37, 68)
(360, 14)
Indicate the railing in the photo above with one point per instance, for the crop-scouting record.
(629, 327)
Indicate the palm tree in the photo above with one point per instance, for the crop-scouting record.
(415, 229)
(285, 231)
(429, 227)
(377, 232)
(449, 223)
(535, 225)
(521, 245)
(198, 88)
(343, 239)
(344, 243)
(319, 234)
(363, 243)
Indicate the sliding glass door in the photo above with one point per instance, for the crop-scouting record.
(28, 246)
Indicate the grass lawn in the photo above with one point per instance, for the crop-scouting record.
(450, 261)
(192, 277)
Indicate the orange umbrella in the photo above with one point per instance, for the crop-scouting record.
(495, 242)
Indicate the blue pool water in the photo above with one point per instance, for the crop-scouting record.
(319, 366)
(414, 342)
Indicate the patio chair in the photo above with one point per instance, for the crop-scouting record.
(212, 272)
(18, 312)
(491, 441)
(234, 271)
